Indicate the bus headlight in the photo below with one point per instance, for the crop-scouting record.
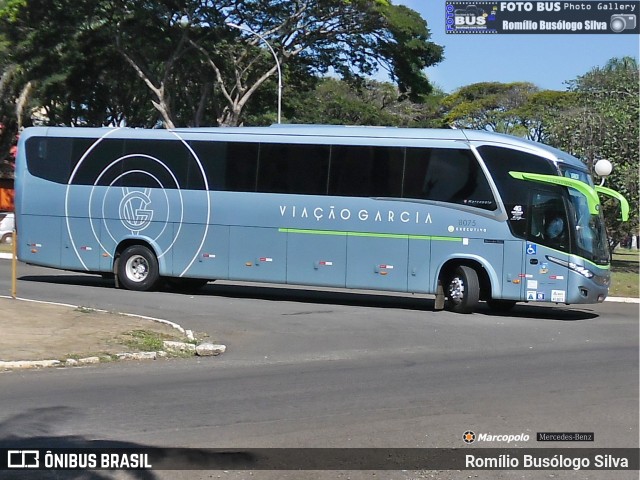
(585, 272)
(581, 270)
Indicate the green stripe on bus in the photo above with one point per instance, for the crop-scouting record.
(368, 234)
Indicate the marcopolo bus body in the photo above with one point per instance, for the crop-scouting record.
(464, 215)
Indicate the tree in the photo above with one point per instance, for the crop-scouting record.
(193, 67)
(64, 50)
(354, 38)
(603, 122)
(540, 111)
(491, 106)
(8, 97)
(368, 102)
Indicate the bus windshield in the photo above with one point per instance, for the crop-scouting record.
(589, 232)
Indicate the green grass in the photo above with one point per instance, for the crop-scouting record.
(144, 340)
(4, 248)
(625, 276)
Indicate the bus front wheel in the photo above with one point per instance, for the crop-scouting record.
(138, 268)
(462, 289)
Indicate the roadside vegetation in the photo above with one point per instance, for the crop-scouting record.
(625, 276)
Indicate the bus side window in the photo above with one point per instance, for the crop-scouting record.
(366, 171)
(50, 158)
(446, 175)
(295, 169)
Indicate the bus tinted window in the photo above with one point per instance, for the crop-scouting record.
(241, 167)
(89, 168)
(366, 171)
(152, 164)
(50, 158)
(228, 166)
(446, 175)
(298, 169)
(500, 161)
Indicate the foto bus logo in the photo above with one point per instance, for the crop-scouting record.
(470, 16)
(465, 17)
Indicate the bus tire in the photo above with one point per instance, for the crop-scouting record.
(462, 289)
(7, 239)
(138, 268)
(501, 305)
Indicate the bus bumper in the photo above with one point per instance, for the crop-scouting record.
(588, 290)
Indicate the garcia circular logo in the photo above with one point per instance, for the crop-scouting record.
(134, 209)
(469, 437)
(152, 187)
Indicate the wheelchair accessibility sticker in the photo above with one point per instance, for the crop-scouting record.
(532, 249)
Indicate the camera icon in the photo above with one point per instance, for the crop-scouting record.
(621, 22)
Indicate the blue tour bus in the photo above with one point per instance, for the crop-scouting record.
(464, 215)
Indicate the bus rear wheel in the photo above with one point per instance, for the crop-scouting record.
(462, 289)
(138, 268)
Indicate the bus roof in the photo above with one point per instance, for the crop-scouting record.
(304, 132)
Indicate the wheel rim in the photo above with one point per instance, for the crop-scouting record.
(137, 268)
(456, 290)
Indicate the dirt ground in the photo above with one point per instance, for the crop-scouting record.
(40, 331)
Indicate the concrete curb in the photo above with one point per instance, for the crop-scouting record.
(202, 349)
(622, 300)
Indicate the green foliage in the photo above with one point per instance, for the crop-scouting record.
(95, 62)
(339, 102)
(602, 121)
(491, 106)
(10, 9)
(406, 50)
(540, 110)
(65, 51)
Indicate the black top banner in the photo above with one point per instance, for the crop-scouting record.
(542, 17)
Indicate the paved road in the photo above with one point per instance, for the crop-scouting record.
(326, 369)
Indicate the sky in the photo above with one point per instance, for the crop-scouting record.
(546, 60)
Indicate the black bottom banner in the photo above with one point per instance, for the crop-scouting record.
(320, 459)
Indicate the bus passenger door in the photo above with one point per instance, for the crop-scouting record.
(419, 262)
(513, 271)
(545, 281)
